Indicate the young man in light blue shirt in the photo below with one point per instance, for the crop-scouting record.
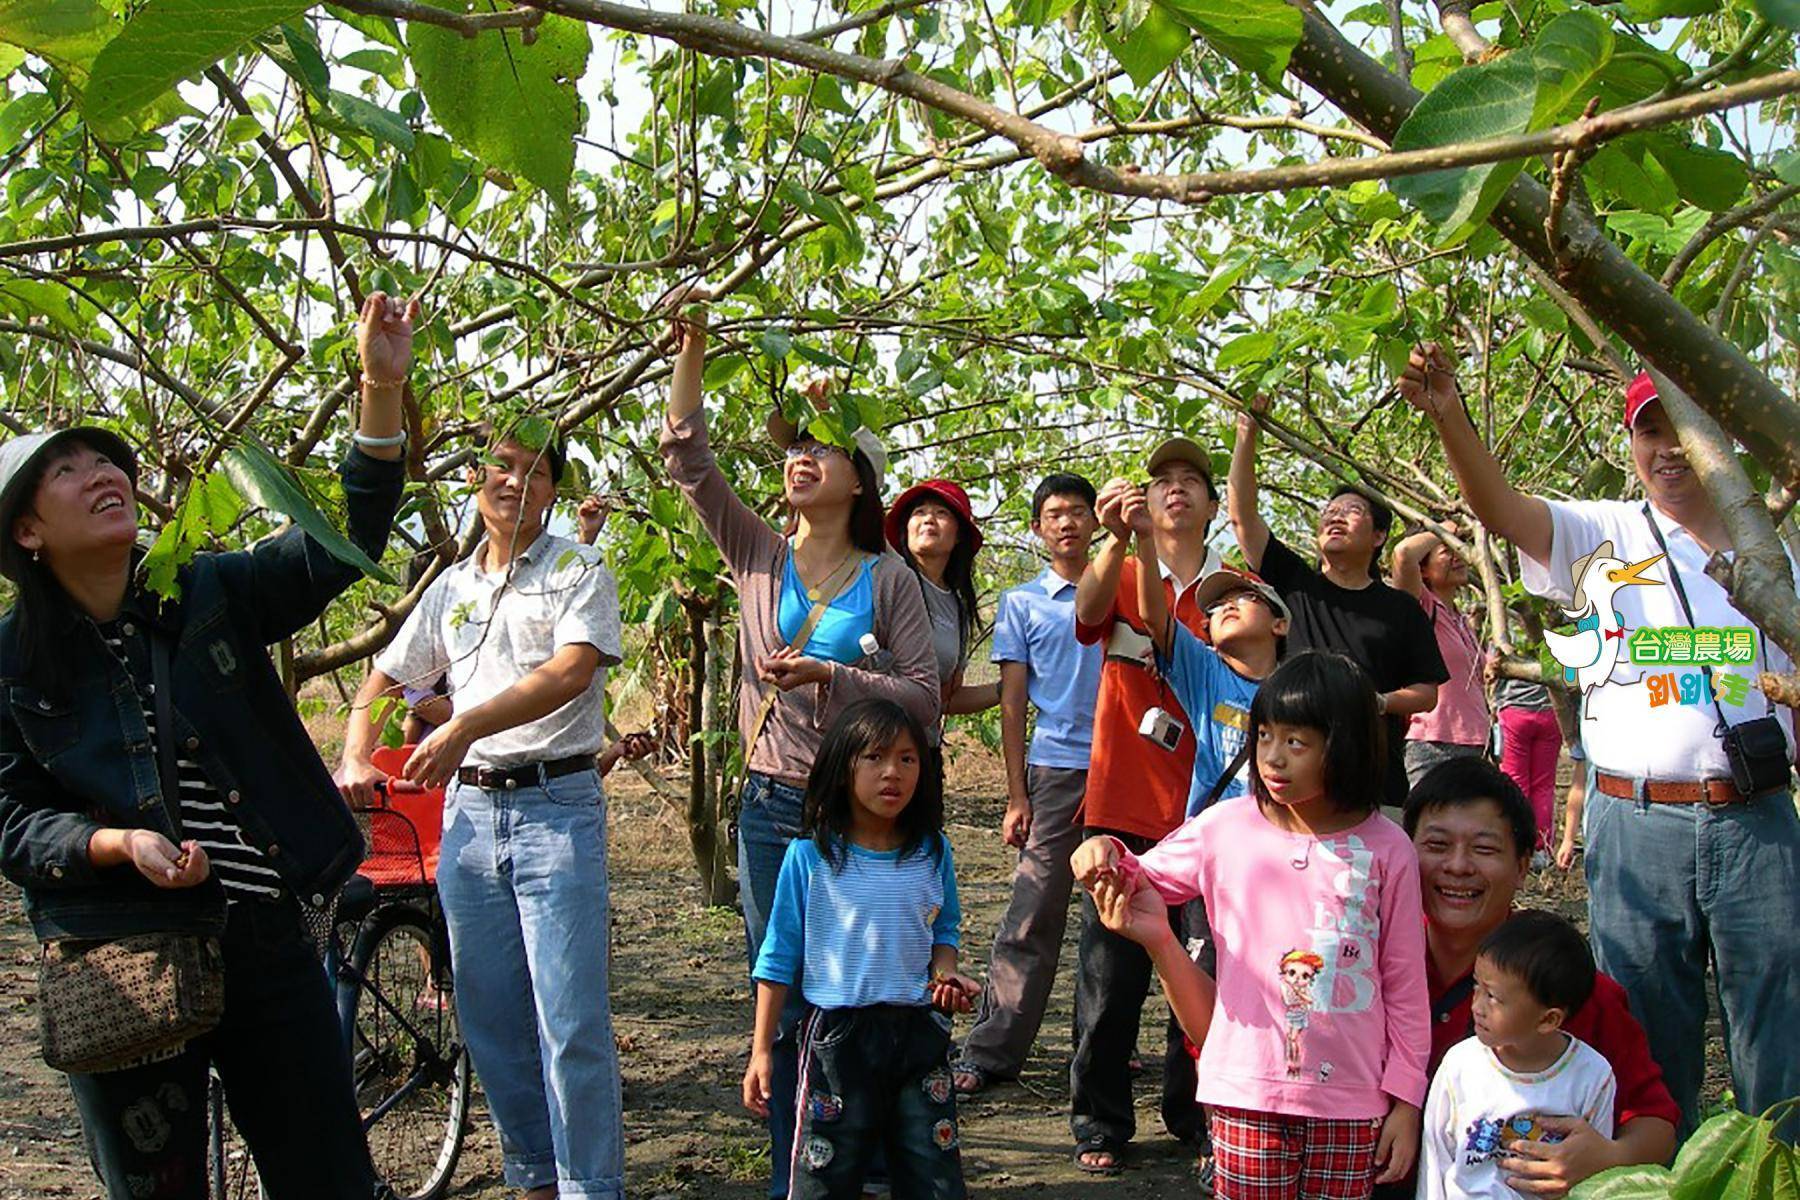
(1034, 643)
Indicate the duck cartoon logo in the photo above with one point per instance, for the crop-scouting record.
(1589, 654)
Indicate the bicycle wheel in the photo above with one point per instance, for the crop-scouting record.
(230, 1173)
(411, 1067)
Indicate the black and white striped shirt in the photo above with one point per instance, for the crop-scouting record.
(205, 818)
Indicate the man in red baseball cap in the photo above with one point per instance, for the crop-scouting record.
(1693, 839)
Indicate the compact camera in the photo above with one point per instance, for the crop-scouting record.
(1162, 729)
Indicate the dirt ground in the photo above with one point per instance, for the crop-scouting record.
(683, 1020)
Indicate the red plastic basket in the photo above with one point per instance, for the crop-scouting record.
(403, 829)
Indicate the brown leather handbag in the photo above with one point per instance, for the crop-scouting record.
(108, 1004)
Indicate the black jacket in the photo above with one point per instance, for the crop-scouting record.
(78, 758)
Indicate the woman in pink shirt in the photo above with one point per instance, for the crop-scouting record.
(1429, 571)
(1313, 1042)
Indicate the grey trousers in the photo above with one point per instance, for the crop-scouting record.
(1422, 756)
(1022, 966)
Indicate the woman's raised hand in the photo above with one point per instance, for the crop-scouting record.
(686, 305)
(1429, 381)
(384, 339)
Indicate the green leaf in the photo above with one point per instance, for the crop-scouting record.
(1785, 13)
(1653, 10)
(1622, 171)
(220, 504)
(775, 343)
(1706, 178)
(1147, 48)
(1257, 35)
(1567, 54)
(296, 52)
(262, 480)
(1247, 348)
(10, 58)
(37, 297)
(373, 120)
(907, 362)
(168, 40)
(512, 105)
(68, 33)
(1230, 269)
(1491, 100)
(1711, 1156)
(719, 371)
(1618, 1183)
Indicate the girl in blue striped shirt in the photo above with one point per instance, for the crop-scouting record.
(865, 921)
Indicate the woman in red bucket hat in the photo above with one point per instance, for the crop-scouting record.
(933, 528)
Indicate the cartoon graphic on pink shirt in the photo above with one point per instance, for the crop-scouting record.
(1298, 970)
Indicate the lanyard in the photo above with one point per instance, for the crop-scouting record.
(1687, 612)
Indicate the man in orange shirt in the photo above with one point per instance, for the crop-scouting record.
(1140, 777)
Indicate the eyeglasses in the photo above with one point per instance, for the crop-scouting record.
(1346, 511)
(819, 452)
(1233, 600)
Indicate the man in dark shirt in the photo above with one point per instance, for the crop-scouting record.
(1342, 605)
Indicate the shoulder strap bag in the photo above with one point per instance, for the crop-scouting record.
(829, 591)
(1757, 749)
(106, 1004)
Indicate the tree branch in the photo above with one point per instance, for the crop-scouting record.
(468, 24)
(1607, 282)
(1756, 574)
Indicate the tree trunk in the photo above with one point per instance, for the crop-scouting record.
(716, 719)
(702, 811)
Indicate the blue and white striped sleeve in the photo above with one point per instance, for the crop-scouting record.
(947, 929)
(784, 943)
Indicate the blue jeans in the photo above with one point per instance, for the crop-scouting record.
(1673, 887)
(279, 1053)
(878, 1079)
(522, 875)
(769, 814)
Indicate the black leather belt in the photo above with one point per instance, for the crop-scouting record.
(506, 779)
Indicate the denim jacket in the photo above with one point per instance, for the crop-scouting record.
(74, 762)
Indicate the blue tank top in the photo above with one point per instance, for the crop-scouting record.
(838, 635)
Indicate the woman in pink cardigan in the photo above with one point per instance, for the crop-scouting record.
(872, 639)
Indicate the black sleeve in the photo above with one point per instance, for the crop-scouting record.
(1422, 661)
(42, 843)
(283, 584)
(1285, 570)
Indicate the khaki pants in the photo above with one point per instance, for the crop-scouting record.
(1022, 966)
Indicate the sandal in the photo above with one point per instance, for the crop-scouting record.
(981, 1075)
(1100, 1145)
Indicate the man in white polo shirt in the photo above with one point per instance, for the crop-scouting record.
(526, 628)
(1684, 864)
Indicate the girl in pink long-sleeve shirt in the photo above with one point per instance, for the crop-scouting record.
(1314, 1038)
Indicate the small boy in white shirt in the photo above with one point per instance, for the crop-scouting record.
(1492, 1089)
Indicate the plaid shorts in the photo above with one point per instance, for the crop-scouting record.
(1267, 1156)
